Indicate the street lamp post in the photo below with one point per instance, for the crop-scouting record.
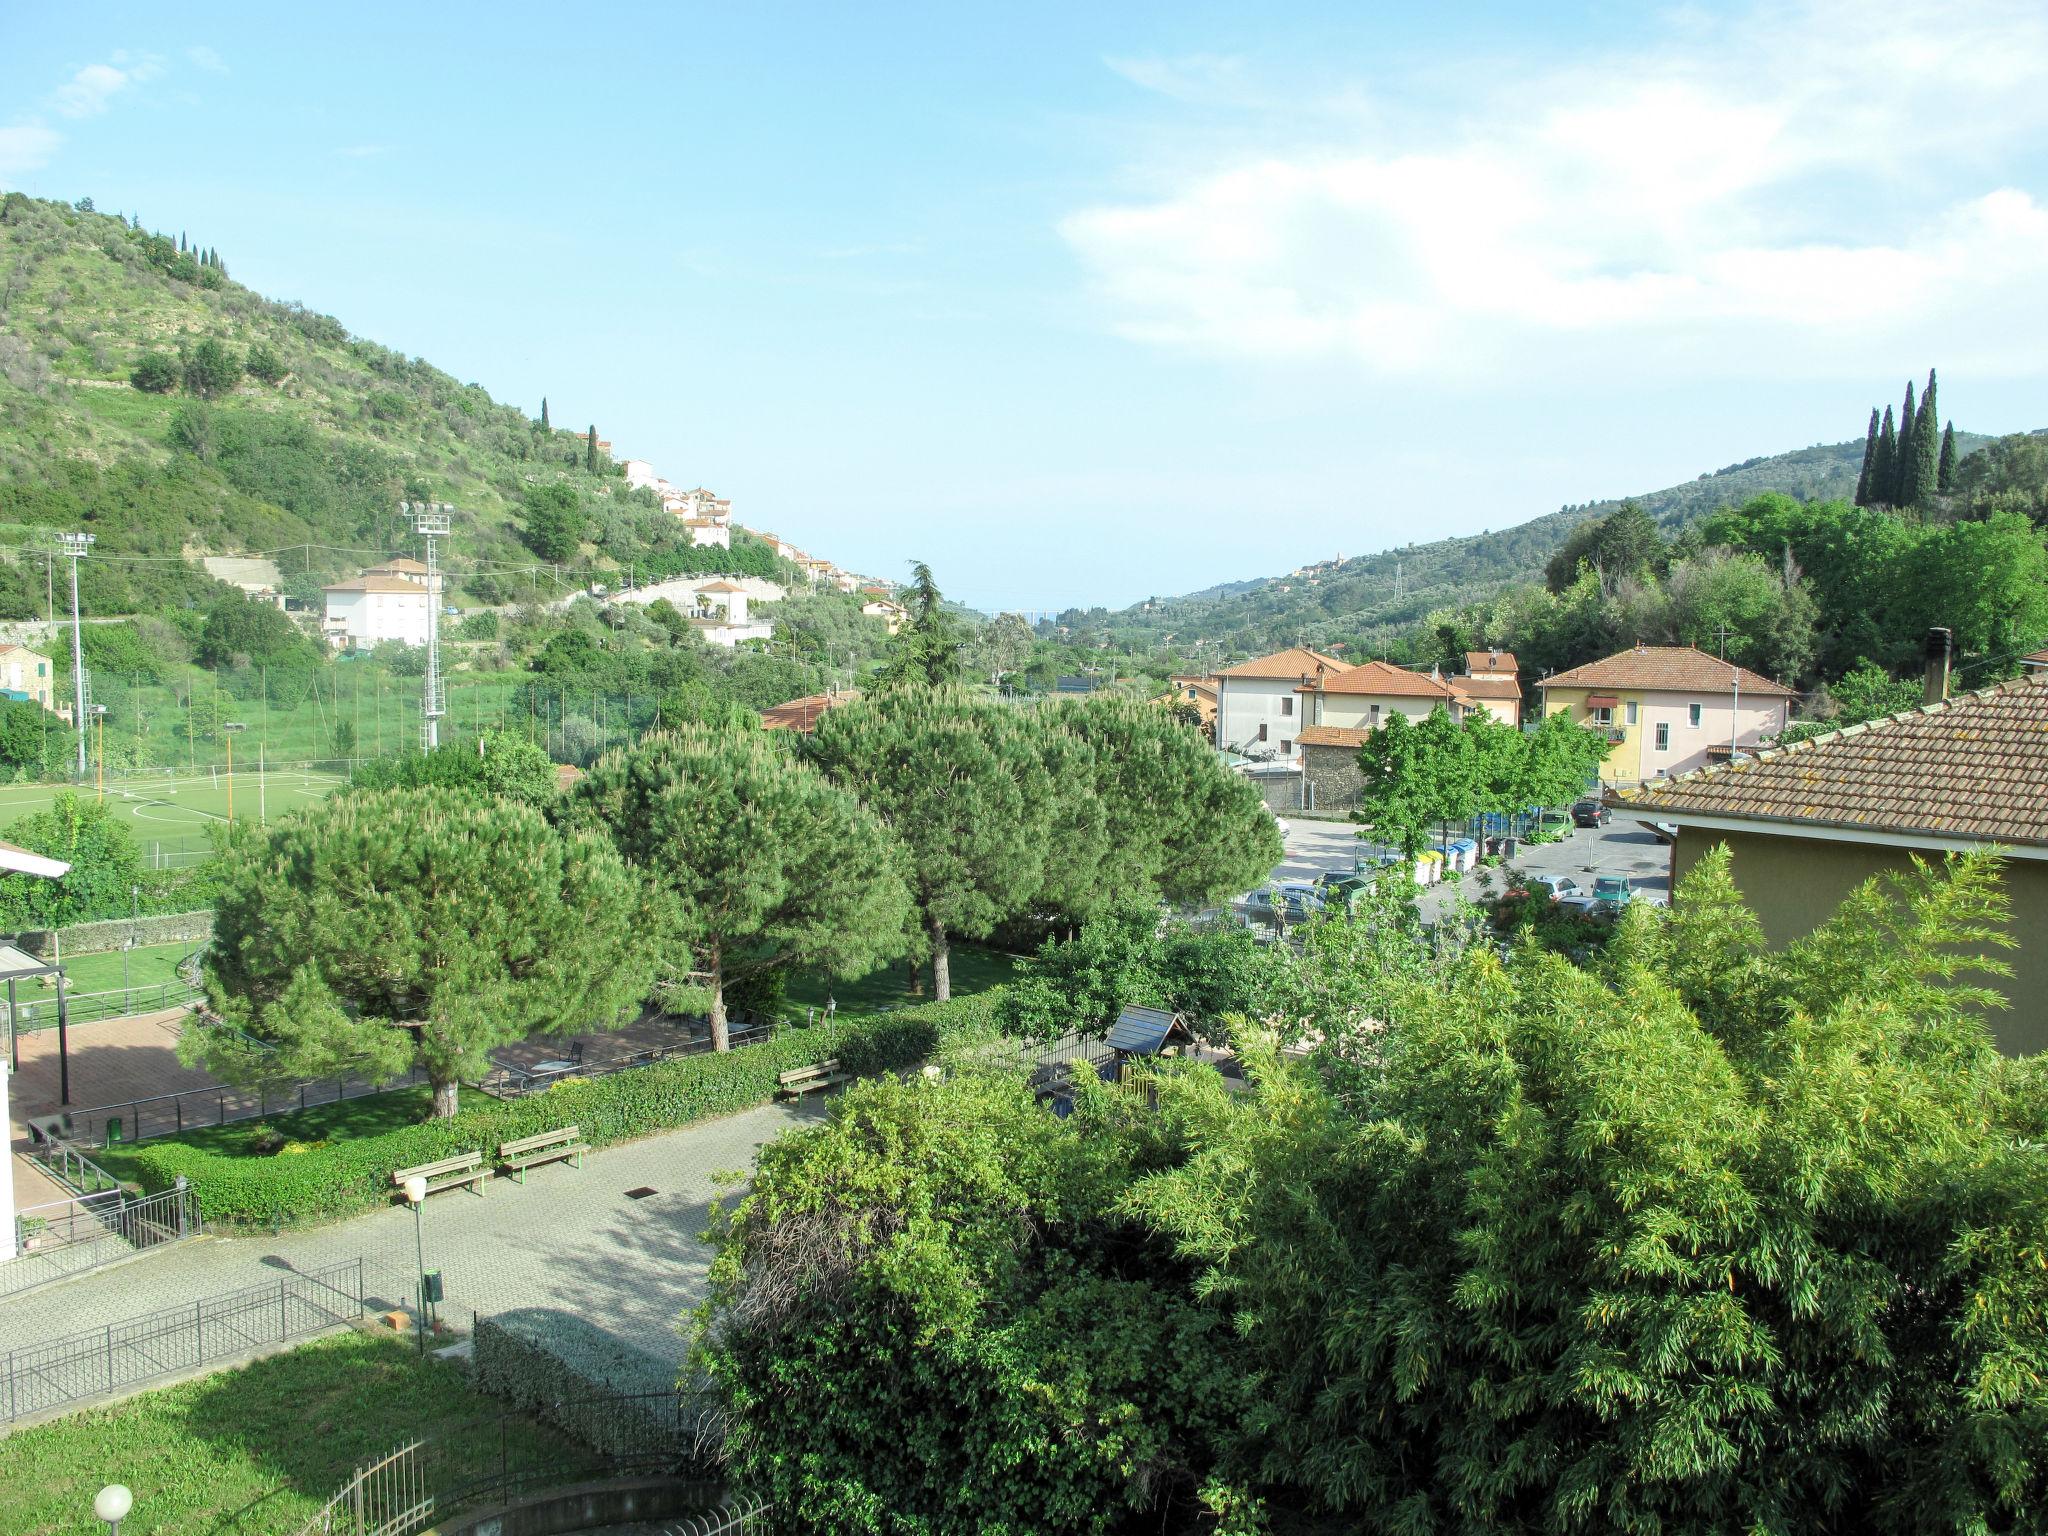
(111, 1505)
(416, 1197)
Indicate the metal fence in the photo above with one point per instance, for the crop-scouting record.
(166, 1114)
(122, 1355)
(69, 1166)
(430, 1481)
(510, 1080)
(69, 1237)
(92, 1007)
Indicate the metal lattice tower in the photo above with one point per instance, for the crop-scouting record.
(76, 546)
(430, 522)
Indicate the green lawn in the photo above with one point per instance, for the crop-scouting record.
(974, 970)
(147, 966)
(370, 1115)
(259, 1449)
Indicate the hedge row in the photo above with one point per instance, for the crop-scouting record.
(554, 1363)
(99, 938)
(321, 1183)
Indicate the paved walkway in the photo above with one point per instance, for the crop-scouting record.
(568, 1238)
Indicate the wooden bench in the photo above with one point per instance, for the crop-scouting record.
(821, 1074)
(524, 1152)
(463, 1168)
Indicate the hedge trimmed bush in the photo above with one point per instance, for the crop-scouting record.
(342, 1178)
(551, 1362)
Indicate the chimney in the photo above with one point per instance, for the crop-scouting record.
(1937, 666)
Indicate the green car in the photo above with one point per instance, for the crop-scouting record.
(1612, 891)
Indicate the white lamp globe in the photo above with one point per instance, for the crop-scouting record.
(416, 1189)
(112, 1503)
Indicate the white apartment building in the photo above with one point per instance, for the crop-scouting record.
(374, 608)
(1258, 708)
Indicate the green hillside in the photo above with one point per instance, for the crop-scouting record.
(1367, 601)
(309, 448)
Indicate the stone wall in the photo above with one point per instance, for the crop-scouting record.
(98, 938)
(1333, 780)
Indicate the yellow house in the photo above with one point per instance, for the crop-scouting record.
(1668, 709)
(1806, 824)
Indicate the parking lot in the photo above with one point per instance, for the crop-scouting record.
(1622, 848)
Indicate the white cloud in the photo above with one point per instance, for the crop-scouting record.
(26, 147)
(87, 93)
(205, 58)
(1803, 180)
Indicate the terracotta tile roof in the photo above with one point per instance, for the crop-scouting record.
(1331, 736)
(1491, 661)
(1379, 677)
(401, 566)
(567, 776)
(1666, 668)
(1974, 768)
(721, 586)
(388, 584)
(1292, 662)
(801, 715)
(1487, 687)
(2038, 659)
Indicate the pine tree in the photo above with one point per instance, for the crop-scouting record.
(1945, 470)
(1869, 457)
(1926, 446)
(1883, 469)
(590, 450)
(1902, 454)
(544, 414)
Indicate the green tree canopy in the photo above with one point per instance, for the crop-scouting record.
(414, 928)
(211, 370)
(962, 785)
(505, 764)
(241, 631)
(554, 522)
(155, 373)
(926, 652)
(106, 866)
(763, 862)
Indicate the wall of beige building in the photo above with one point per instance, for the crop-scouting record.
(1795, 883)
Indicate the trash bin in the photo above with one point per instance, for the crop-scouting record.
(114, 1130)
(1508, 845)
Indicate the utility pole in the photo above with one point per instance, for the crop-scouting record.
(1721, 635)
(76, 547)
(430, 522)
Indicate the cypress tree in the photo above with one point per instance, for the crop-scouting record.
(1926, 446)
(1945, 471)
(1869, 456)
(1883, 468)
(1902, 459)
(590, 450)
(544, 414)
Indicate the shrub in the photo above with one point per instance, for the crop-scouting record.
(546, 1361)
(345, 1177)
(156, 373)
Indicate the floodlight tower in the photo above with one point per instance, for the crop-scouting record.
(430, 522)
(76, 546)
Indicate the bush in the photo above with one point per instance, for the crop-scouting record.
(345, 1177)
(545, 1361)
(155, 374)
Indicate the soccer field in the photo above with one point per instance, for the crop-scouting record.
(172, 813)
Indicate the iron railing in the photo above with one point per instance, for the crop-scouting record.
(69, 1166)
(69, 1237)
(166, 1114)
(509, 1080)
(431, 1480)
(92, 1007)
(122, 1355)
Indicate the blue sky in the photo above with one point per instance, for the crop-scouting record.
(1084, 304)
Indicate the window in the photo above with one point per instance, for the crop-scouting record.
(1287, 706)
(1262, 730)
(42, 669)
(1375, 714)
(1631, 711)
(1692, 716)
(1603, 717)
(1663, 736)
(1286, 746)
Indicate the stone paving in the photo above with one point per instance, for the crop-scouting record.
(568, 1238)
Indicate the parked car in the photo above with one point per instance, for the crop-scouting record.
(1291, 901)
(1557, 887)
(1557, 822)
(1590, 812)
(1581, 903)
(1612, 890)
